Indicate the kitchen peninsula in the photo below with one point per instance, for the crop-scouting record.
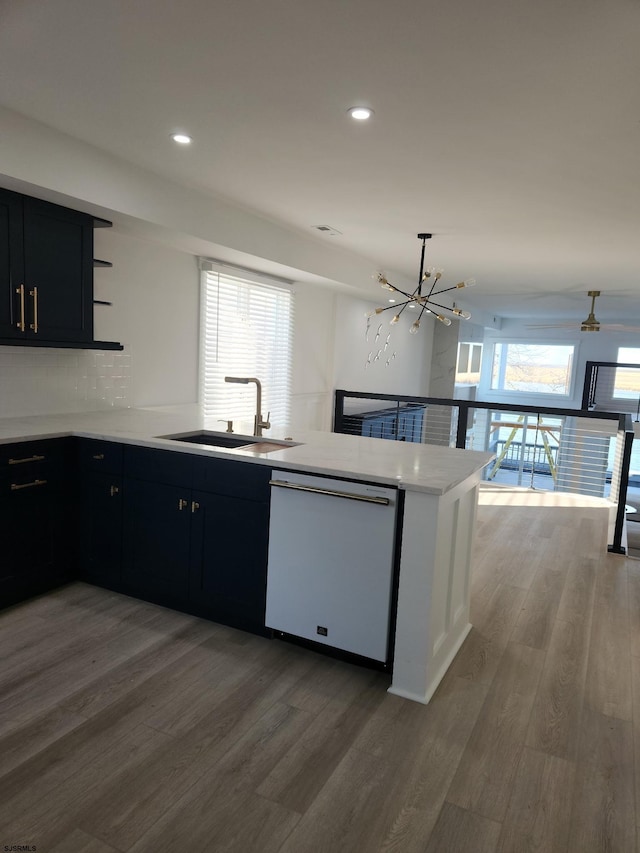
(434, 543)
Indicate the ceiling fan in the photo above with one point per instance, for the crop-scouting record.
(591, 324)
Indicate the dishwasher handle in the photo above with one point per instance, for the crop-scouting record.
(370, 499)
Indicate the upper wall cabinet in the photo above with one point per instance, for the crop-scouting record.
(46, 275)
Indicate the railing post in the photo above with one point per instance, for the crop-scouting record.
(463, 422)
(616, 546)
(338, 411)
(590, 373)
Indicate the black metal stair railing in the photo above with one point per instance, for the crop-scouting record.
(560, 449)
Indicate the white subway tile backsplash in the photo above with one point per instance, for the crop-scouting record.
(43, 381)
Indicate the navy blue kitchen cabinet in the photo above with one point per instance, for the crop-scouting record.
(58, 272)
(157, 536)
(11, 263)
(182, 530)
(196, 534)
(229, 543)
(157, 525)
(100, 511)
(46, 274)
(34, 514)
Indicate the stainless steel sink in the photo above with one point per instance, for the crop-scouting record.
(212, 439)
(221, 439)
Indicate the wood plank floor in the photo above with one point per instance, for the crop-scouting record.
(128, 727)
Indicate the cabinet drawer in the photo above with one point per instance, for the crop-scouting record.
(28, 465)
(158, 466)
(96, 455)
(235, 479)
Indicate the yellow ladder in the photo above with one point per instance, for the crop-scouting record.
(503, 452)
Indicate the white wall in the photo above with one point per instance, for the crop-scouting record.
(444, 355)
(155, 295)
(313, 343)
(43, 381)
(355, 366)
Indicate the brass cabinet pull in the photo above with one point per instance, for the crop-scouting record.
(34, 458)
(34, 325)
(114, 490)
(16, 486)
(21, 324)
(195, 506)
(98, 456)
(182, 504)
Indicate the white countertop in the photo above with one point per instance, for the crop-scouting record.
(414, 467)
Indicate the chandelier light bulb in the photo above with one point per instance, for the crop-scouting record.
(383, 282)
(443, 319)
(395, 319)
(414, 328)
(464, 314)
(468, 282)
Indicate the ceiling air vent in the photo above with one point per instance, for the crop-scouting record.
(327, 229)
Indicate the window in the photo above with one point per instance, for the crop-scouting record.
(246, 330)
(468, 364)
(532, 368)
(627, 379)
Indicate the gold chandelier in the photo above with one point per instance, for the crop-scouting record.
(424, 301)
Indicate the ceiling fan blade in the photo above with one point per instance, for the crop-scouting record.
(604, 327)
(619, 327)
(552, 325)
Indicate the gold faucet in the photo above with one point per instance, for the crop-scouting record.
(258, 423)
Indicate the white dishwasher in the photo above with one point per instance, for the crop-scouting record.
(331, 558)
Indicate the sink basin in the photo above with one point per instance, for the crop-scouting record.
(212, 439)
(256, 444)
(263, 446)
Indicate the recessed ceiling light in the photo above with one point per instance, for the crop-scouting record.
(360, 113)
(392, 300)
(181, 138)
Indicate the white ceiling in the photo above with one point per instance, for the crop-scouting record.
(508, 128)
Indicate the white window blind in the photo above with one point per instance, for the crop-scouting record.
(246, 330)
